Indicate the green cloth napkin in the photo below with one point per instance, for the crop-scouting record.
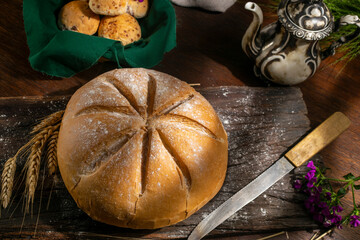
(65, 53)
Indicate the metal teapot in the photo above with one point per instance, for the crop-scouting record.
(287, 51)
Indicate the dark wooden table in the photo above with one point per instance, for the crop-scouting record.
(208, 52)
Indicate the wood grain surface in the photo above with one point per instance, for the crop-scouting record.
(208, 52)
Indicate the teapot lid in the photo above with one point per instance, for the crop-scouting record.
(306, 19)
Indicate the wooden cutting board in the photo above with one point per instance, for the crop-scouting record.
(262, 123)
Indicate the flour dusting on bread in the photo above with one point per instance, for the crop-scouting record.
(141, 149)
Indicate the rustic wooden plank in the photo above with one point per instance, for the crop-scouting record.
(261, 124)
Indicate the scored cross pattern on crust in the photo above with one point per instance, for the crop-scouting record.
(150, 116)
(141, 149)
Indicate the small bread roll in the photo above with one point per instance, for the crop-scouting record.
(141, 149)
(108, 7)
(77, 16)
(137, 8)
(123, 28)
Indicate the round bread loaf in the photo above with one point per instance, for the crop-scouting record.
(124, 28)
(136, 8)
(141, 149)
(77, 16)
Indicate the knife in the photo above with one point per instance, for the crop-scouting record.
(324, 134)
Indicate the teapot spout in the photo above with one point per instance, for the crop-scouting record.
(250, 41)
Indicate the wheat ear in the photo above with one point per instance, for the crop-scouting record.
(7, 180)
(50, 120)
(8, 174)
(34, 161)
(44, 131)
(51, 152)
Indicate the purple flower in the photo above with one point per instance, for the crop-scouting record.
(297, 184)
(328, 195)
(322, 205)
(355, 222)
(318, 217)
(140, 0)
(322, 202)
(309, 176)
(309, 205)
(335, 218)
(337, 208)
(326, 213)
(310, 184)
(311, 165)
(318, 189)
(315, 198)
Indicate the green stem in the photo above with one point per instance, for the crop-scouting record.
(353, 194)
(336, 180)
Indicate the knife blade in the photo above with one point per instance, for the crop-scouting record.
(321, 136)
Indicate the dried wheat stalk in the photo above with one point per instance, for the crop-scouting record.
(50, 120)
(7, 180)
(46, 135)
(34, 161)
(8, 175)
(51, 156)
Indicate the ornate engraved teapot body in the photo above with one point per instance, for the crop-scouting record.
(287, 51)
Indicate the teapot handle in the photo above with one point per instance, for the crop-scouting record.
(343, 21)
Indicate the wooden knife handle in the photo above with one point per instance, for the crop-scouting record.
(321, 136)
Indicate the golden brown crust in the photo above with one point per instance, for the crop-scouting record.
(123, 28)
(108, 7)
(141, 149)
(77, 16)
(138, 9)
(117, 7)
